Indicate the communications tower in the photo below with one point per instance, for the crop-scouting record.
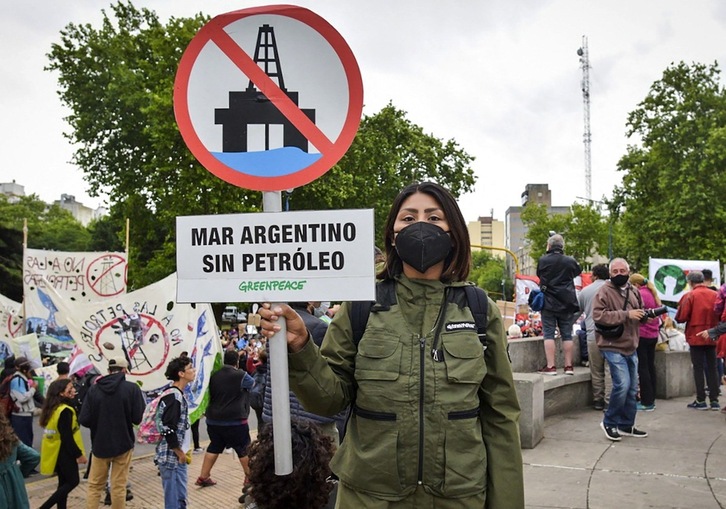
(582, 52)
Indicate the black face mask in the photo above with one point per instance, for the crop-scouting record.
(620, 280)
(422, 245)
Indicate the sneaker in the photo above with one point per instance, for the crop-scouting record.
(632, 431)
(107, 500)
(646, 408)
(205, 482)
(569, 370)
(198, 450)
(598, 404)
(698, 405)
(611, 432)
(715, 406)
(547, 370)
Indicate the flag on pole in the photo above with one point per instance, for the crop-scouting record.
(524, 285)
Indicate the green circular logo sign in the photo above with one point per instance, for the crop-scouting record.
(674, 273)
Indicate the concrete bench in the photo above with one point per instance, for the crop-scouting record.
(541, 396)
(674, 375)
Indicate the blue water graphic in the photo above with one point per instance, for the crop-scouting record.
(277, 162)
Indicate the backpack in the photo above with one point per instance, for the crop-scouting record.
(476, 299)
(536, 300)
(7, 405)
(149, 431)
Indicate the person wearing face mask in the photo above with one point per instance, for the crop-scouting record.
(434, 413)
(617, 306)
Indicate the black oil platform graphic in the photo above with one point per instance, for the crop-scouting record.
(251, 108)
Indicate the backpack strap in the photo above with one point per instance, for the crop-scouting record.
(386, 297)
(361, 310)
(479, 306)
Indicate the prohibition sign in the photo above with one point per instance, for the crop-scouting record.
(102, 274)
(220, 38)
(134, 346)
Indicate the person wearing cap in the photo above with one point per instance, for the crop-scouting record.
(110, 409)
(22, 390)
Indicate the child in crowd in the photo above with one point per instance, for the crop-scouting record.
(308, 486)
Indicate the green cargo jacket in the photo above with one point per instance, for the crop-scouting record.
(449, 426)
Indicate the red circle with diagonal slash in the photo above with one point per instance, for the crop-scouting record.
(151, 325)
(331, 150)
(14, 325)
(93, 281)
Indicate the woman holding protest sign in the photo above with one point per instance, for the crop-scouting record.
(434, 409)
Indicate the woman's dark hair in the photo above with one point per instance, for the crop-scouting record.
(176, 365)
(306, 487)
(458, 263)
(8, 438)
(53, 398)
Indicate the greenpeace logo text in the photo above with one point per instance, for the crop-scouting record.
(453, 326)
(274, 285)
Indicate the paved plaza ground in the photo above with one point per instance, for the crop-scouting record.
(681, 464)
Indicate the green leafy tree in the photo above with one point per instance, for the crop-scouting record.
(674, 172)
(11, 263)
(49, 227)
(488, 272)
(584, 228)
(388, 153)
(117, 81)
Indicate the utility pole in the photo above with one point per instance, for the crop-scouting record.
(582, 52)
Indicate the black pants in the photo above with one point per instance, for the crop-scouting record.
(68, 478)
(646, 370)
(195, 433)
(705, 356)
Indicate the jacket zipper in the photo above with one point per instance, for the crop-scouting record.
(422, 356)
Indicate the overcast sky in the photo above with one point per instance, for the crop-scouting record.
(502, 77)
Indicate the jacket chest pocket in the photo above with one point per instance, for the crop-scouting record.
(378, 368)
(464, 357)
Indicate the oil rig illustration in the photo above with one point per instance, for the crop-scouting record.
(251, 107)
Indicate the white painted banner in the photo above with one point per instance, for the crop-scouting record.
(11, 325)
(148, 328)
(276, 257)
(669, 276)
(27, 346)
(79, 277)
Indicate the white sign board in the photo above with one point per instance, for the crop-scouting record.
(276, 257)
(669, 276)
